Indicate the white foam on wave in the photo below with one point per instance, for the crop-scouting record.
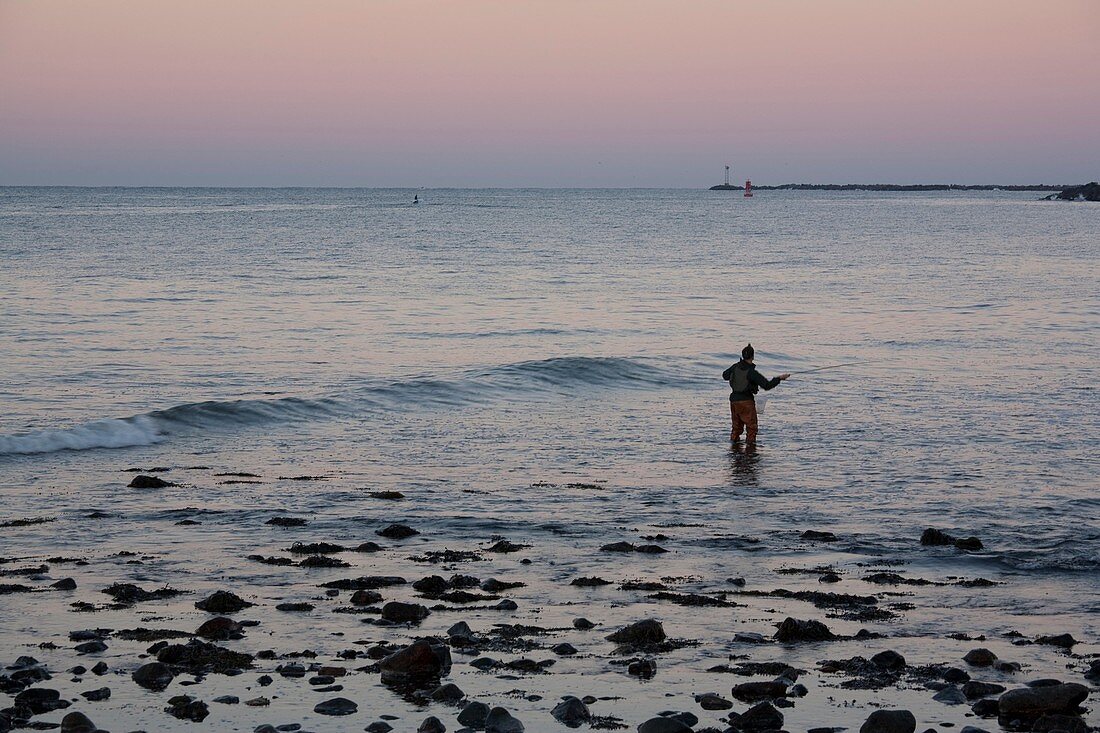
(113, 433)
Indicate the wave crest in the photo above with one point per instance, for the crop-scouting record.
(111, 433)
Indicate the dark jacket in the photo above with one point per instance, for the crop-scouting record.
(745, 381)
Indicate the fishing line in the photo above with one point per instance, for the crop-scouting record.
(762, 400)
(831, 366)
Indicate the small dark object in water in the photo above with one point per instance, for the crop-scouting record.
(592, 582)
(936, 537)
(397, 532)
(506, 546)
(287, 522)
(148, 482)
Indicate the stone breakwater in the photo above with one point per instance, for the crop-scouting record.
(399, 630)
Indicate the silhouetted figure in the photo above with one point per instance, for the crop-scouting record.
(745, 382)
(416, 198)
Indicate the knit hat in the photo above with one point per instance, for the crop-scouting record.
(748, 352)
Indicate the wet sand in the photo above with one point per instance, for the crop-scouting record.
(779, 630)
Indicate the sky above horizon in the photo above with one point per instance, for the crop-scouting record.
(645, 93)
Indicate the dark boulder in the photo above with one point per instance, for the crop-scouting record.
(186, 707)
(571, 712)
(975, 690)
(985, 708)
(889, 721)
(220, 628)
(336, 706)
(432, 724)
(950, 695)
(889, 660)
(980, 657)
(760, 717)
(815, 536)
(222, 601)
(450, 693)
(663, 724)
(153, 676)
(1059, 724)
(474, 715)
(648, 631)
(423, 660)
(90, 647)
(500, 720)
(404, 613)
(98, 695)
(712, 701)
(431, 585)
(757, 691)
(77, 723)
(40, 700)
(365, 597)
(1062, 641)
(793, 630)
(1036, 701)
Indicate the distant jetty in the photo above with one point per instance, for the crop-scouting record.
(1088, 192)
(895, 187)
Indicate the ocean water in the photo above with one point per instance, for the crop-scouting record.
(546, 366)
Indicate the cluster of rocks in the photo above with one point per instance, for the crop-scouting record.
(417, 670)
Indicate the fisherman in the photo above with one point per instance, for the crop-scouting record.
(745, 382)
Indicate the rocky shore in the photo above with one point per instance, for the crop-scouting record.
(311, 624)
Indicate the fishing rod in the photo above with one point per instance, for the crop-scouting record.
(762, 400)
(831, 366)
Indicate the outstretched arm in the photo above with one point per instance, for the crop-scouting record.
(766, 384)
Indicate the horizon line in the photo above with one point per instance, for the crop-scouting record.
(528, 188)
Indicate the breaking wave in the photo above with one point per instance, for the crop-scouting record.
(521, 380)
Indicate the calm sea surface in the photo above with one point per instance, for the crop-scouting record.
(469, 349)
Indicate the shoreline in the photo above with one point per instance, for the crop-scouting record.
(287, 619)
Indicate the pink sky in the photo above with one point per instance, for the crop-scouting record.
(547, 92)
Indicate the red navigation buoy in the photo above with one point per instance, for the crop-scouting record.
(748, 189)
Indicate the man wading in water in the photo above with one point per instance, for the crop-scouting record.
(745, 381)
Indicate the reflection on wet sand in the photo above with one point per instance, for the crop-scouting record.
(744, 459)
